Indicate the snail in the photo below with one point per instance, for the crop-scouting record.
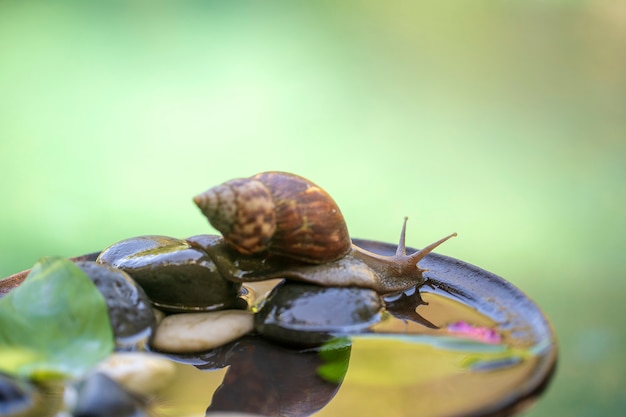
(291, 228)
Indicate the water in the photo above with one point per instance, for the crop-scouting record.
(402, 368)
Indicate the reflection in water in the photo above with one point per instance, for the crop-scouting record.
(405, 365)
(405, 305)
(273, 381)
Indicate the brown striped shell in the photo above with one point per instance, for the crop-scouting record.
(278, 212)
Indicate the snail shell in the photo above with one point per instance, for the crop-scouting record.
(278, 212)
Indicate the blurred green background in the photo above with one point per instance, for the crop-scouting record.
(503, 121)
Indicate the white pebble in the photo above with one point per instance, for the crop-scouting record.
(197, 332)
(139, 372)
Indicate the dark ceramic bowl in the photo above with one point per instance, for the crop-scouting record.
(491, 296)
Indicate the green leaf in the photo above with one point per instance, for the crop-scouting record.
(55, 324)
(336, 356)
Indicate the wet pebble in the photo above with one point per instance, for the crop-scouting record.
(176, 276)
(100, 396)
(16, 395)
(197, 332)
(139, 372)
(307, 315)
(130, 310)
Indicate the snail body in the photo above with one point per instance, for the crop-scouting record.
(307, 238)
(358, 268)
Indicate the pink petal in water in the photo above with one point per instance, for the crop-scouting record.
(482, 334)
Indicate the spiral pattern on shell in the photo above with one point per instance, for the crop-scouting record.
(243, 211)
(278, 212)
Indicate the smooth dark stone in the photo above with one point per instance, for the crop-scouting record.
(130, 310)
(100, 396)
(16, 396)
(176, 276)
(308, 315)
